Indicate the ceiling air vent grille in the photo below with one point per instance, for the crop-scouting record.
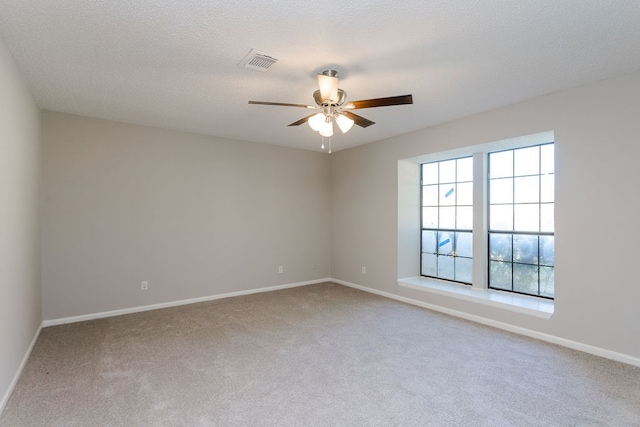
(257, 60)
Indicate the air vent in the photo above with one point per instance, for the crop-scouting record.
(257, 60)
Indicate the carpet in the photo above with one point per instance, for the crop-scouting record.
(318, 355)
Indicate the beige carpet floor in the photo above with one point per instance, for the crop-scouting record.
(319, 355)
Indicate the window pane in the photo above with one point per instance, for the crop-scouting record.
(430, 173)
(465, 218)
(526, 161)
(547, 287)
(500, 275)
(547, 250)
(430, 217)
(526, 189)
(501, 217)
(465, 169)
(500, 247)
(464, 244)
(429, 241)
(501, 164)
(547, 188)
(501, 190)
(465, 194)
(429, 265)
(445, 267)
(522, 201)
(445, 243)
(525, 249)
(525, 279)
(430, 195)
(463, 269)
(448, 217)
(448, 171)
(527, 217)
(547, 159)
(447, 194)
(547, 222)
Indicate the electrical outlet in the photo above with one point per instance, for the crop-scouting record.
(364, 270)
(144, 285)
(280, 269)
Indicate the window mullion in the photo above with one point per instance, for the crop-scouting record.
(480, 232)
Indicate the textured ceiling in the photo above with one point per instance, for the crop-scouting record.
(175, 63)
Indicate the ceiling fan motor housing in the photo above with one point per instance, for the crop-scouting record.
(342, 96)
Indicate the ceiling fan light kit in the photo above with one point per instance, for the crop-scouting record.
(344, 123)
(316, 121)
(331, 100)
(327, 128)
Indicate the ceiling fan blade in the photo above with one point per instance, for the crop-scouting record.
(359, 120)
(282, 104)
(380, 102)
(303, 120)
(328, 87)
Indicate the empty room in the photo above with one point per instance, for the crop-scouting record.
(319, 214)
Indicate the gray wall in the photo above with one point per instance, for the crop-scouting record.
(597, 132)
(20, 297)
(195, 216)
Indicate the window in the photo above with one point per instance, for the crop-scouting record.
(447, 219)
(521, 227)
(516, 243)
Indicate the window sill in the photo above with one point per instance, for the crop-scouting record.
(524, 304)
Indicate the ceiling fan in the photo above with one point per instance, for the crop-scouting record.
(332, 101)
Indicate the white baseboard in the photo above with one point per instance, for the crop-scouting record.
(139, 309)
(7, 394)
(598, 351)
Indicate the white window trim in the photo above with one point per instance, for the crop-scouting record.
(520, 303)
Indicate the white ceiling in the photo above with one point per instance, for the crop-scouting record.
(175, 63)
